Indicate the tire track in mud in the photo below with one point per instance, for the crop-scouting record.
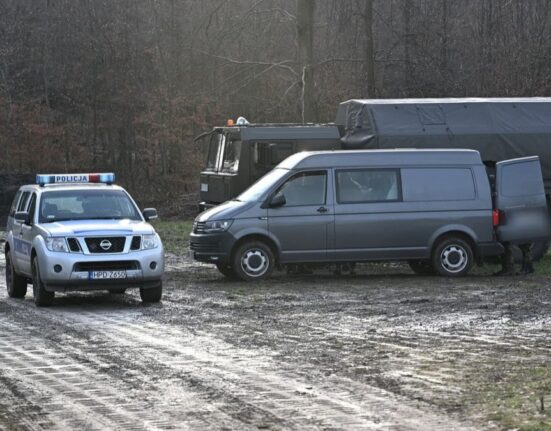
(237, 376)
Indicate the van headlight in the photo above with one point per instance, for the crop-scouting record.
(57, 244)
(217, 226)
(149, 242)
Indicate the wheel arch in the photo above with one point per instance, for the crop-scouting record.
(256, 236)
(464, 233)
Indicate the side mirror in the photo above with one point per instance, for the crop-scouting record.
(150, 214)
(278, 201)
(23, 217)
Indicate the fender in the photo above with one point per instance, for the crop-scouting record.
(452, 228)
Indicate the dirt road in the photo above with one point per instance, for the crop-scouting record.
(388, 351)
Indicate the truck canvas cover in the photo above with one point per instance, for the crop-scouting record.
(499, 128)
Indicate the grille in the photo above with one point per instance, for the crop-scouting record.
(118, 265)
(74, 246)
(136, 243)
(205, 247)
(117, 244)
(199, 227)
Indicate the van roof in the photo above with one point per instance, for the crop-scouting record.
(339, 159)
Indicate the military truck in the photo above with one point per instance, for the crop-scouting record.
(239, 154)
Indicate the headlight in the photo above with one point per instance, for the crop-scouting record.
(57, 244)
(149, 242)
(217, 226)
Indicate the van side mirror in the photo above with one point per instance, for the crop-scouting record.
(278, 201)
(23, 217)
(150, 214)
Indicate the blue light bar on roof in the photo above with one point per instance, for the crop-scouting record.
(107, 178)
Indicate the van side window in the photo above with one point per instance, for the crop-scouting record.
(23, 202)
(305, 188)
(13, 208)
(438, 184)
(367, 185)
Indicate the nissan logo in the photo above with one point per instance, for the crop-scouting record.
(105, 244)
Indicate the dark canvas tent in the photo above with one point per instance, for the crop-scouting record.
(500, 128)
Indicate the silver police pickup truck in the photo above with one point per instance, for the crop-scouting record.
(81, 232)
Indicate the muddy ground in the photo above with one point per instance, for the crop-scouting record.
(384, 349)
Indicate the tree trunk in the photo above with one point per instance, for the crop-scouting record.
(369, 48)
(305, 41)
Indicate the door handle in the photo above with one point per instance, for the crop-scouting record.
(322, 210)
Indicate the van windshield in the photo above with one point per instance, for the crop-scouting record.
(262, 186)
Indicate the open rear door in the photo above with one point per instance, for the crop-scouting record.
(520, 200)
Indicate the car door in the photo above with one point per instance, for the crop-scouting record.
(302, 225)
(521, 202)
(22, 249)
(27, 237)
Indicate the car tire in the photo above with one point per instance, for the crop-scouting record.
(15, 284)
(120, 291)
(152, 294)
(422, 267)
(227, 271)
(452, 257)
(253, 260)
(42, 298)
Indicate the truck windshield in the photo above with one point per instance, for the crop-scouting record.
(232, 154)
(262, 186)
(216, 147)
(81, 204)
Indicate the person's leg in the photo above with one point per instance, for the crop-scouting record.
(507, 262)
(527, 265)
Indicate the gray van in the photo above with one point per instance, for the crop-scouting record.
(437, 209)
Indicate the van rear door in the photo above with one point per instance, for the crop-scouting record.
(520, 200)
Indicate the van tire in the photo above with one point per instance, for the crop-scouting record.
(452, 257)
(152, 294)
(422, 267)
(227, 271)
(42, 298)
(15, 284)
(253, 260)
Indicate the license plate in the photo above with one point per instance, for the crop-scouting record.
(107, 275)
(204, 187)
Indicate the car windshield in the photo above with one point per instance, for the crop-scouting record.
(262, 186)
(81, 204)
(231, 156)
(216, 146)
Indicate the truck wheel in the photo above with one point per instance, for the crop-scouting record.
(422, 267)
(16, 285)
(227, 271)
(42, 298)
(452, 257)
(253, 260)
(120, 291)
(153, 294)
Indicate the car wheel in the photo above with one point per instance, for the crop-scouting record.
(253, 260)
(15, 284)
(227, 271)
(452, 257)
(42, 298)
(422, 267)
(153, 294)
(120, 291)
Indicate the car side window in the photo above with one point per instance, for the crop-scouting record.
(32, 207)
(13, 208)
(368, 185)
(23, 201)
(305, 188)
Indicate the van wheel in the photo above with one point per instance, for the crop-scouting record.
(15, 284)
(422, 267)
(253, 260)
(452, 257)
(227, 271)
(153, 294)
(42, 298)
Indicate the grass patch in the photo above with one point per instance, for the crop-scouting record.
(175, 234)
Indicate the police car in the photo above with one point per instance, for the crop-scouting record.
(80, 232)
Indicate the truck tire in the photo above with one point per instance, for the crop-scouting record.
(227, 271)
(452, 257)
(422, 267)
(153, 294)
(253, 260)
(42, 298)
(15, 284)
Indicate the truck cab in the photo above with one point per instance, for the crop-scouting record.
(239, 154)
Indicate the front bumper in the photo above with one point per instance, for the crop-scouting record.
(212, 248)
(144, 268)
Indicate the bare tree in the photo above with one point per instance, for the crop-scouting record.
(305, 41)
